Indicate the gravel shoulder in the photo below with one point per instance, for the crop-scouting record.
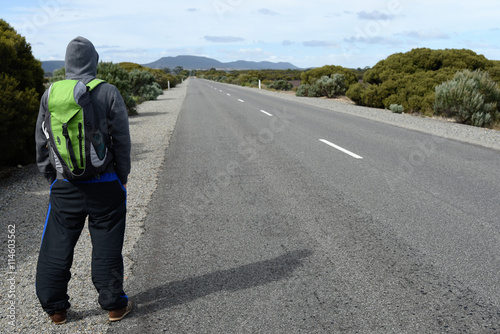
(24, 198)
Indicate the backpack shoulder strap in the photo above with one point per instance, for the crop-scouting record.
(94, 83)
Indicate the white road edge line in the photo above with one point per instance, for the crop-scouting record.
(265, 112)
(341, 149)
(241, 100)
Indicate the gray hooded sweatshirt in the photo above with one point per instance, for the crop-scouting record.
(81, 64)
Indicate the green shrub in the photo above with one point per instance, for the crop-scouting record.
(118, 76)
(331, 86)
(310, 77)
(494, 70)
(244, 79)
(396, 108)
(280, 85)
(162, 77)
(307, 91)
(21, 86)
(143, 86)
(149, 92)
(356, 93)
(17, 60)
(303, 90)
(58, 75)
(373, 96)
(470, 97)
(18, 114)
(313, 91)
(222, 78)
(409, 79)
(253, 83)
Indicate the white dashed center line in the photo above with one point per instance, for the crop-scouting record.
(341, 149)
(265, 112)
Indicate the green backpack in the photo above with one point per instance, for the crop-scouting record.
(78, 149)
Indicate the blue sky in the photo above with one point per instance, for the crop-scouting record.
(305, 33)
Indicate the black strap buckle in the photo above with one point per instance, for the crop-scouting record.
(65, 130)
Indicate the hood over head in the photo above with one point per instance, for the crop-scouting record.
(81, 60)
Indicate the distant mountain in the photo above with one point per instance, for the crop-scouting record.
(204, 63)
(193, 63)
(50, 66)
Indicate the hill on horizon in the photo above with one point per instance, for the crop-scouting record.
(193, 63)
(50, 66)
(205, 63)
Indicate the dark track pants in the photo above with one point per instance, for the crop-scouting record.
(70, 203)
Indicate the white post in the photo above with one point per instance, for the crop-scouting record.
(168, 84)
(259, 84)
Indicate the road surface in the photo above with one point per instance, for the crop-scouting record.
(275, 217)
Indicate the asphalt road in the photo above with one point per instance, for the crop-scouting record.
(274, 217)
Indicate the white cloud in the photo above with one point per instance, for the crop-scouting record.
(424, 35)
(265, 11)
(105, 46)
(321, 44)
(376, 15)
(223, 39)
(380, 40)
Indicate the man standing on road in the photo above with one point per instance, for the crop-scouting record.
(101, 198)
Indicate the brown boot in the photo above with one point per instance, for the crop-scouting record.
(59, 317)
(119, 314)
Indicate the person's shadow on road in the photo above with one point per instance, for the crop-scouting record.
(244, 277)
